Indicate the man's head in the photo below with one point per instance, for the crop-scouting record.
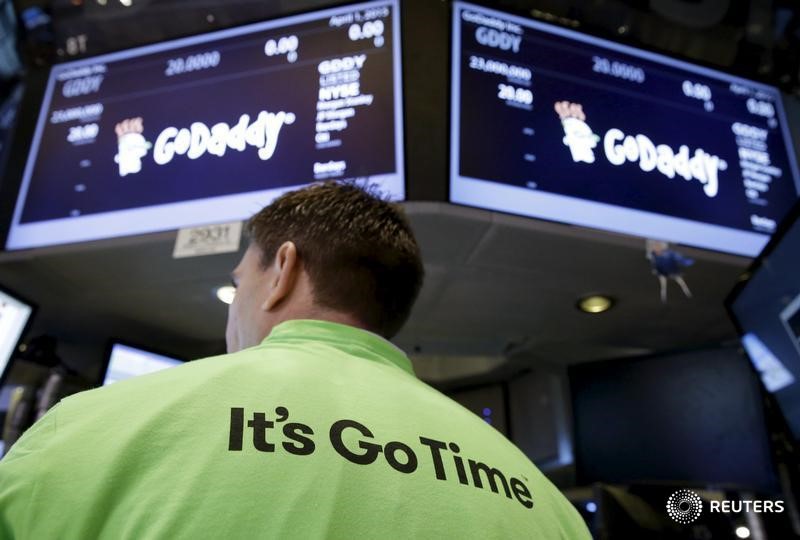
(330, 251)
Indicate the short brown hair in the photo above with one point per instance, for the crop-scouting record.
(357, 248)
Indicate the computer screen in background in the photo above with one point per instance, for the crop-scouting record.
(766, 309)
(14, 317)
(125, 362)
(694, 418)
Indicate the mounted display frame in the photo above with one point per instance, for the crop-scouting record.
(555, 124)
(211, 128)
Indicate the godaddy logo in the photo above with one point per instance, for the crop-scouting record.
(620, 148)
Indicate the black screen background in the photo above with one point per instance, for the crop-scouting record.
(694, 418)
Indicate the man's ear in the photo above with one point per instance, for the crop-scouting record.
(285, 271)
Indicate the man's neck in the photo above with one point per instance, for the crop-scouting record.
(321, 314)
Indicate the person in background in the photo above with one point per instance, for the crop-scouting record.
(312, 426)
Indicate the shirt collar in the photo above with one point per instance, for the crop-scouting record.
(348, 338)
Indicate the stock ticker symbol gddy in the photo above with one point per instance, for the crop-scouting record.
(684, 506)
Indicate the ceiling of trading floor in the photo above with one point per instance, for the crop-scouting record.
(496, 285)
(756, 38)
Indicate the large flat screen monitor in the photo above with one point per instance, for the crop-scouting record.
(693, 419)
(125, 361)
(765, 306)
(554, 124)
(15, 315)
(211, 128)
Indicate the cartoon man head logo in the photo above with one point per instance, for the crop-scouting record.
(131, 145)
(578, 135)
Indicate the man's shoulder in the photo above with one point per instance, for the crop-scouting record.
(197, 377)
(155, 385)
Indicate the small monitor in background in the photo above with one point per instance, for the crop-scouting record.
(15, 314)
(125, 362)
(693, 419)
(488, 402)
(765, 307)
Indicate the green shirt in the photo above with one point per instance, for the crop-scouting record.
(321, 431)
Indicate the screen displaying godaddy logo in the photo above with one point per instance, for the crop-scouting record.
(621, 148)
(198, 139)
